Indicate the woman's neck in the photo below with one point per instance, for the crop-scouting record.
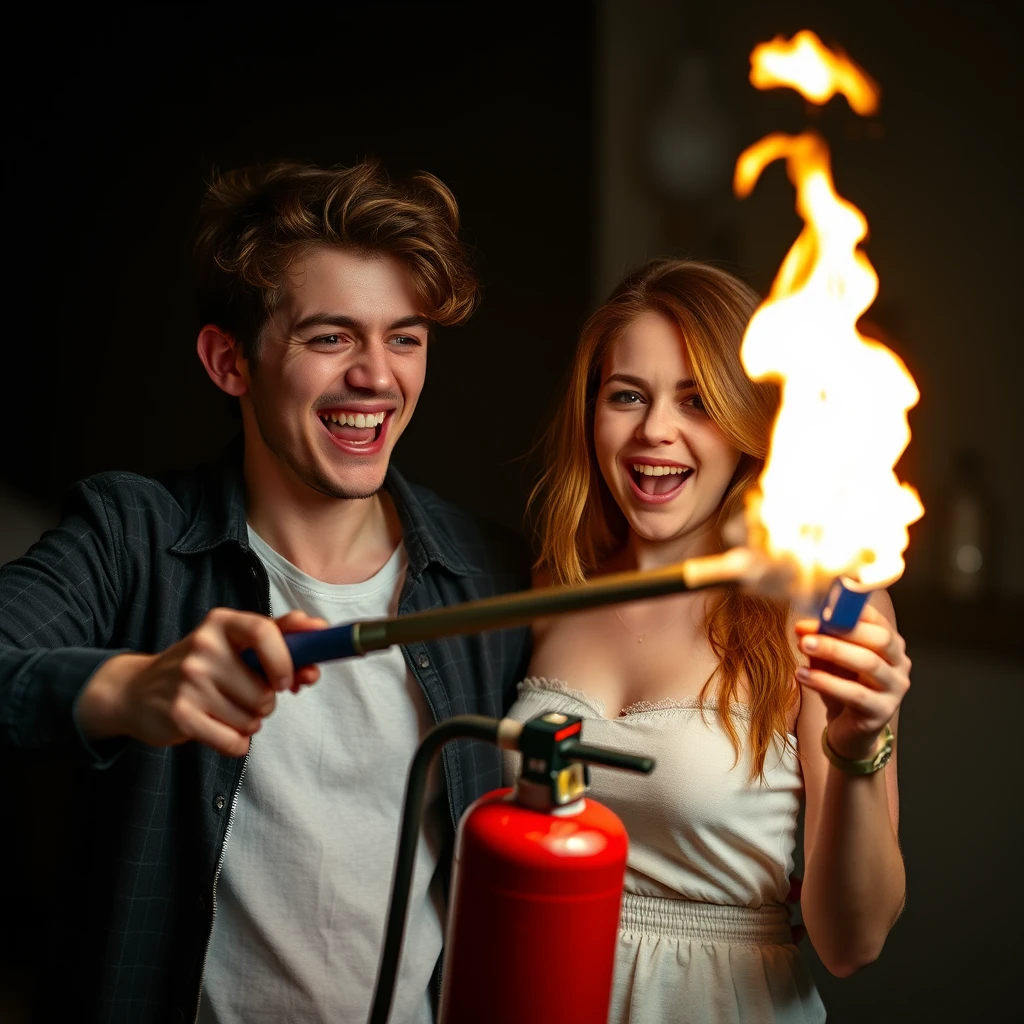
(641, 553)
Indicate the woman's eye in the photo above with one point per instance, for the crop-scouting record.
(696, 402)
(626, 398)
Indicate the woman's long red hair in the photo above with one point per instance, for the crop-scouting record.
(580, 526)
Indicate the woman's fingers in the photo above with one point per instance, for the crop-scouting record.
(871, 667)
(878, 637)
(871, 706)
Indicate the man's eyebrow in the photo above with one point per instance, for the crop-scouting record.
(325, 319)
(639, 382)
(410, 321)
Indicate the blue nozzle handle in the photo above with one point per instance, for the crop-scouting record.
(312, 647)
(841, 609)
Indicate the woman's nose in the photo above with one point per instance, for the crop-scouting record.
(658, 426)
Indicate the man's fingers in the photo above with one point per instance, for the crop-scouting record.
(243, 720)
(299, 622)
(264, 636)
(196, 724)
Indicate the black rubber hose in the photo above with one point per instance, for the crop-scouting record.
(474, 727)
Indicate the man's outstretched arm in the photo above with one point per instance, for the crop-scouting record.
(67, 679)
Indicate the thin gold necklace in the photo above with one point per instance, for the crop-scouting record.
(640, 637)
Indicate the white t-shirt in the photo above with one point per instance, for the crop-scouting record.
(303, 891)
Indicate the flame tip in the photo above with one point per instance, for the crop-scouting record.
(845, 396)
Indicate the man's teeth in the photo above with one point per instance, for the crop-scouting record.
(347, 419)
(659, 470)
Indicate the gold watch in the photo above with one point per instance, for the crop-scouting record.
(870, 764)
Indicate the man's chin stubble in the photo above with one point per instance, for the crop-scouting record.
(332, 490)
(311, 477)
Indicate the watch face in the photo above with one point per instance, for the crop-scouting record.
(883, 755)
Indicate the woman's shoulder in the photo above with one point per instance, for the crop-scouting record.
(540, 576)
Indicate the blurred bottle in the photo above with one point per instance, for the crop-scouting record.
(690, 147)
(966, 540)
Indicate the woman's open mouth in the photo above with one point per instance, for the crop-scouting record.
(657, 482)
(357, 431)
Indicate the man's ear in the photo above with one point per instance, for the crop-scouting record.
(221, 355)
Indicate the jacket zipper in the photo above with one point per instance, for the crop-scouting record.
(451, 811)
(213, 892)
(255, 572)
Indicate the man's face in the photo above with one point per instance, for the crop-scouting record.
(340, 370)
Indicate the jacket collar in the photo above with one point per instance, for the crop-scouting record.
(220, 517)
(424, 542)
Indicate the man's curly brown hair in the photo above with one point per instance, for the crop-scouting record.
(256, 221)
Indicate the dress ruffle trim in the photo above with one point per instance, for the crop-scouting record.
(640, 707)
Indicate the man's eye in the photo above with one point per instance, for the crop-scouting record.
(406, 339)
(327, 340)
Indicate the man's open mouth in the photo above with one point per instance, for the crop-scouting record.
(354, 428)
(660, 480)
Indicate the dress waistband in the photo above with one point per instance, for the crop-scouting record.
(707, 922)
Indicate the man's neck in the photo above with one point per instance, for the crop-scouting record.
(334, 540)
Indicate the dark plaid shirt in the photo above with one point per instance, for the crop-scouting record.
(136, 564)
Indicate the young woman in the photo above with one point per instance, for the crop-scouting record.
(657, 439)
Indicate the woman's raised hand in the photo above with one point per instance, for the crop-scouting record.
(875, 676)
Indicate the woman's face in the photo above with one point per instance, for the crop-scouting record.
(661, 455)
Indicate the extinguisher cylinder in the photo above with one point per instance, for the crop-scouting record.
(534, 919)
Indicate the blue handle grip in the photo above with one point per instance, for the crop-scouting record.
(841, 609)
(312, 647)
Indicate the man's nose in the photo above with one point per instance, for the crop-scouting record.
(370, 370)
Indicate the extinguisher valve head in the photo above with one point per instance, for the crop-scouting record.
(554, 769)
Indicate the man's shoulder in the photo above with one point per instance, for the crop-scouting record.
(123, 487)
(170, 500)
(486, 547)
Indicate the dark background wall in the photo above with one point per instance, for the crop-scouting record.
(936, 174)
(124, 118)
(580, 139)
(118, 119)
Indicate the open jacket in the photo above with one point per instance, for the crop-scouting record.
(135, 564)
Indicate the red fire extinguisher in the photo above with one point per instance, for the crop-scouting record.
(534, 907)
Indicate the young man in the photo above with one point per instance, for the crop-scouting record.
(318, 290)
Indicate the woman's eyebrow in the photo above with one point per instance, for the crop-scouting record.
(626, 378)
(639, 382)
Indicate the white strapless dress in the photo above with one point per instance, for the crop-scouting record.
(704, 936)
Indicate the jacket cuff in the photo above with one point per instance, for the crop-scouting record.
(45, 694)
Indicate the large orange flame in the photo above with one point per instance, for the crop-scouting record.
(828, 496)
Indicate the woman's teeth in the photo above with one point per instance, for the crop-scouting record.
(659, 479)
(343, 419)
(659, 470)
